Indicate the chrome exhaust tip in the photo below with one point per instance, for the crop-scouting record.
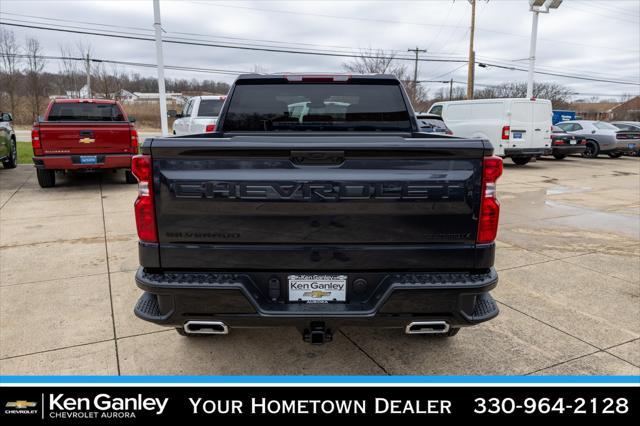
(427, 327)
(206, 327)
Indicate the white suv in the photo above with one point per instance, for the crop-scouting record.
(199, 115)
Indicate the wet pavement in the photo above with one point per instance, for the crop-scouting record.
(568, 258)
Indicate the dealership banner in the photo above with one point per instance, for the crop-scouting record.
(198, 403)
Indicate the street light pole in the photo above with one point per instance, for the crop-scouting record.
(157, 25)
(537, 7)
(532, 53)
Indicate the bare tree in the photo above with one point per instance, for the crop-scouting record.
(107, 80)
(84, 49)
(10, 62)
(380, 62)
(35, 65)
(558, 94)
(71, 75)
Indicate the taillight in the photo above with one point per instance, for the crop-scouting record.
(210, 128)
(134, 141)
(489, 205)
(448, 132)
(506, 130)
(558, 142)
(583, 142)
(144, 205)
(35, 140)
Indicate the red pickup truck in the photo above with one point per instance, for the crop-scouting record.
(83, 134)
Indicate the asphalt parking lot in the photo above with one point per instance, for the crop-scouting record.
(568, 257)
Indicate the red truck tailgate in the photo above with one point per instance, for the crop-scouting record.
(85, 137)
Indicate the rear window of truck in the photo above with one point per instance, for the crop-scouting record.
(85, 111)
(210, 107)
(317, 107)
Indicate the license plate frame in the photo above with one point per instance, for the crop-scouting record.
(88, 159)
(317, 288)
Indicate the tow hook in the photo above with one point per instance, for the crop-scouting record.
(317, 334)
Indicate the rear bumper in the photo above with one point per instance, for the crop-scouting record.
(568, 149)
(624, 146)
(526, 152)
(72, 162)
(245, 300)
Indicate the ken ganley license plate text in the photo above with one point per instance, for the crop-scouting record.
(317, 288)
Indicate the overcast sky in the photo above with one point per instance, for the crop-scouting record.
(595, 38)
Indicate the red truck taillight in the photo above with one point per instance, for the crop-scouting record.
(35, 141)
(144, 205)
(210, 128)
(489, 205)
(134, 141)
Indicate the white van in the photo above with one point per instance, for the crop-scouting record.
(517, 128)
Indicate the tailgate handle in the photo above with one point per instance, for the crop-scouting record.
(86, 133)
(317, 158)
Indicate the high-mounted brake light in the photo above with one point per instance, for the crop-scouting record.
(210, 128)
(144, 206)
(489, 205)
(506, 130)
(319, 78)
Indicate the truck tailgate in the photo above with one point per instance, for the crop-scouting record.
(315, 202)
(85, 137)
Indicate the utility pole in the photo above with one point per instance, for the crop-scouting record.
(160, 63)
(88, 66)
(472, 54)
(451, 89)
(415, 69)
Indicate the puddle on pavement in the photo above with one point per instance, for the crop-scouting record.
(557, 190)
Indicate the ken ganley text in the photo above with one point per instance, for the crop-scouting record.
(319, 406)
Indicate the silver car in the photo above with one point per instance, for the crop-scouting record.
(602, 137)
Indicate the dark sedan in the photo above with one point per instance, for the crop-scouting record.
(563, 143)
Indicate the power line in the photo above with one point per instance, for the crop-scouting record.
(313, 53)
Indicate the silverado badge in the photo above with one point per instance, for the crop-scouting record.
(87, 140)
(317, 294)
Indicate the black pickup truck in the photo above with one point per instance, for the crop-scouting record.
(317, 203)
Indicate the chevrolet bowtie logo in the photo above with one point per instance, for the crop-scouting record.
(87, 140)
(20, 404)
(316, 294)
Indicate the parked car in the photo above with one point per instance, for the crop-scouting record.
(629, 126)
(431, 123)
(602, 137)
(335, 219)
(199, 115)
(563, 143)
(517, 128)
(8, 146)
(83, 135)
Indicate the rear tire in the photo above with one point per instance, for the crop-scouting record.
(559, 156)
(521, 161)
(46, 178)
(615, 154)
(129, 177)
(12, 161)
(592, 150)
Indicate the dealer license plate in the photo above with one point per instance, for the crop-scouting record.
(517, 135)
(317, 288)
(88, 159)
